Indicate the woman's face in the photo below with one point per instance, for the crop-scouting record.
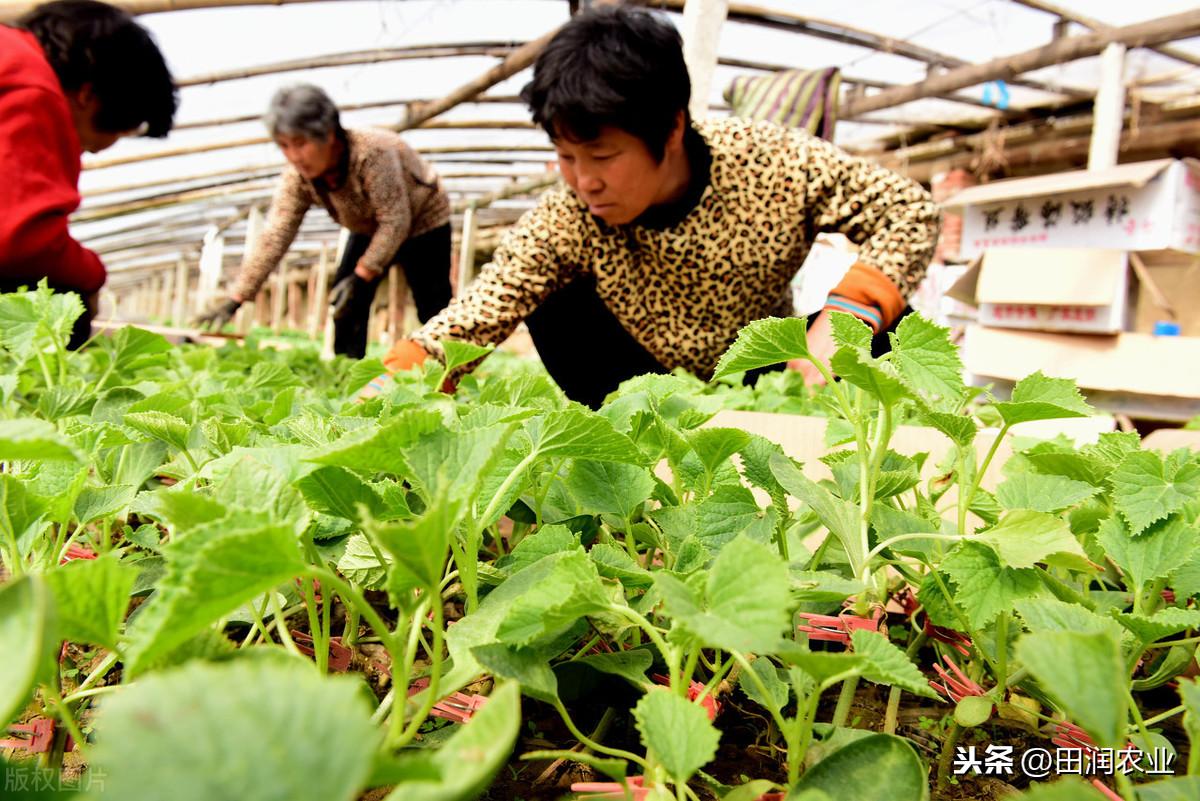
(312, 158)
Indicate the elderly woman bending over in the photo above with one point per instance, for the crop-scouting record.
(370, 182)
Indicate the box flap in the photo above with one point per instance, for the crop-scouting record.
(1169, 439)
(1051, 276)
(963, 290)
(1137, 364)
(1137, 174)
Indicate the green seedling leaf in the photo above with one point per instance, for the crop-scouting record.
(170, 429)
(1162, 624)
(609, 488)
(960, 428)
(823, 586)
(1042, 493)
(1147, 488)
(1152, 555)
(271, 376)
(1051, 614)
(28, 640)
(714, 446)
(132, 349)
(338, 492)
(21, 513)
(242, 711)
(746, 601)
(616, 563)
(1084, 675)
(928, 362)
(1189, 693)
(614, 769)
(677, 731)
(729, 511)
(985, 586)
(381, 449)
(1177, 788)
(91, 596)
(1038, 397)
(1023, 539)
(582, 435)
(878, 766)
(571, 590)
(763, 343)
(469, 760)
(546, 541)
(821, 666)
(839, 516)
(756, 464)
(179, 509)
(1051, 458)
(359, 563)
(257, 484)
(525, 666)
(856, 366)
(777, 689)
(459, 353)
(886, 664)
(419, 547)
(28, 438)
(455, 463)
(211, 572)
(629, 665)
(1068, 789)
(96, 503)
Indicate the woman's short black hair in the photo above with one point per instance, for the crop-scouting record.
(88, 42)
(611, 65)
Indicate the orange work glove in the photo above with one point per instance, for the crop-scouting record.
(404, 355)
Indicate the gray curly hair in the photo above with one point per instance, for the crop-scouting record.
(302, 110)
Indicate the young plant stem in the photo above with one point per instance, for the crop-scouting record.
(891, 716)
(946, 756)
(671, 655)
(435, 672)
(748, 671)
(841, 713)
(350, 630)
(1160, 717)
(1002, 650)
(630, 543)
(99, 672)
(64, 712)
(257, 626)
(320, 647)
(1143, 729)
(689, 667)
(987, 461)
(889, 542)
(281, 626)
(592, 744)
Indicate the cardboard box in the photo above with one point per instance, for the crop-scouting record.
(1150, 205)
(1167, 288)
(1083, 291)
(1133, 373)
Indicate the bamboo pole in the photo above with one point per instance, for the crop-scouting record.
(279, 294)
(397, 286)
(466, 251)
(1088, 22)
(702, 21)
(342, 107)
(179, 315)
(376, 56)
(10, 10)
(1156, 31)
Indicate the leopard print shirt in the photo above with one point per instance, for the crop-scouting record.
(683, 292)
(389, 193)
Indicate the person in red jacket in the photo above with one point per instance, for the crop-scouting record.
(75, 75)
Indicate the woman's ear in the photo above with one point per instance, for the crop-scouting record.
(675, 138)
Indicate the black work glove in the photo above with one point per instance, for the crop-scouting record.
(342, 296)
(215, 318)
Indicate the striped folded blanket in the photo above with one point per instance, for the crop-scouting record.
(806, 99)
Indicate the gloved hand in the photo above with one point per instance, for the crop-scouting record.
(216, 317)
(341, 297)
(404, 355)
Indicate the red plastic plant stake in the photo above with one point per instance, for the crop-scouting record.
(77, 552)
(710, 705)
(955, 685)
(602, 791)
(837, 628)
(955, 639)
(339, 655)
(41, 733)
(456, 707)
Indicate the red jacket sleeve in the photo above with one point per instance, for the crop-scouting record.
(39, 159)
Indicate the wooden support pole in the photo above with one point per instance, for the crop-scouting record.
(1108, 117)
(10, 10)
(397, 295)
(295, 304)
(1143, 34)
(702, 22)
(279, 296)
(1066, 15)
(166, 304)
(318, 292)
(466, 251)
(179, 314)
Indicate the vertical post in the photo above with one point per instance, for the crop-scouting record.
(295, 304)
(1108, 117)
(167, 299)
(327, 343)
(179, 313)
(397, 290)
(701, 31)
(212, 257)
(279, 295)
(320, 290)
(466, 249)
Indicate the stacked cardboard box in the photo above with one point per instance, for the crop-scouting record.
(1081, 275)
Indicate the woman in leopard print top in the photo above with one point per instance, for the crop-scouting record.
(669, 236)
(370, 182)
